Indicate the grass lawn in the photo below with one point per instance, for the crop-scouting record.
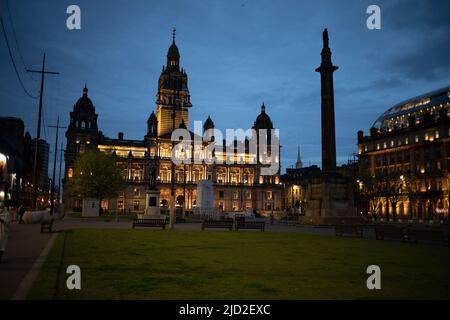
(157, 264)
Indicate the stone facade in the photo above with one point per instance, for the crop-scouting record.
(237, 187)
(409, 144)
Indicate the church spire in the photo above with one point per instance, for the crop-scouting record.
(173, 35)
(298, 163)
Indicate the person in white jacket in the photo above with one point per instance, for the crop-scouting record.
(5, 219)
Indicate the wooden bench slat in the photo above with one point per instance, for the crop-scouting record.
(250, 225)
(149, 223)
(47, 226)
(228, 224)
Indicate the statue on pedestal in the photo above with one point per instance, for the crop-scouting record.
(152, 178)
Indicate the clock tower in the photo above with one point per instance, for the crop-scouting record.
(173, 93)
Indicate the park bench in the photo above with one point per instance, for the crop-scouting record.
(47, 225)
(250, 225)
(428, 234)
(349, 229)
(224, 224)
(391, 232)
(149, 223)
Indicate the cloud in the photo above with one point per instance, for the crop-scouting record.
(430, 60)
(418, 15)
(423, 27)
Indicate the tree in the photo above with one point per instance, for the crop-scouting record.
(367, 192)
(383, 184)
(96, 176)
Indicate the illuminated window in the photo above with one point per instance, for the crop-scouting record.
(120, 204)
(392, 143)
(406, 140)
(416, 139)
(426, 136)
(436, 134)
(378, 146)
(234, 177)
(70, 173)
(269, 195)
(221, 177)
(248, 178)
(384, 145)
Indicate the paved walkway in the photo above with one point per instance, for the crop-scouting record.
(25, 244)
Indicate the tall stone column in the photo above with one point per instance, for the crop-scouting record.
(326, 70)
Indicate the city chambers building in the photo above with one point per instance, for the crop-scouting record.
(409, 144)
(237, 187)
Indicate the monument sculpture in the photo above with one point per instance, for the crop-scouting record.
(328, 196)
(152, 209)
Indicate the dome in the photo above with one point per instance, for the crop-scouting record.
(263, 120)
(398, 114)
(84, 104)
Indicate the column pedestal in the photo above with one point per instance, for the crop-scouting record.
(152, 209)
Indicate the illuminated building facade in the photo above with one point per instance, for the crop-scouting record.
(404, 161)
(16, 164)
(237, 187)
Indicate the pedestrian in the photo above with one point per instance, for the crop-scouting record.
(5, 219)
(271, 218)
(21, 212)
